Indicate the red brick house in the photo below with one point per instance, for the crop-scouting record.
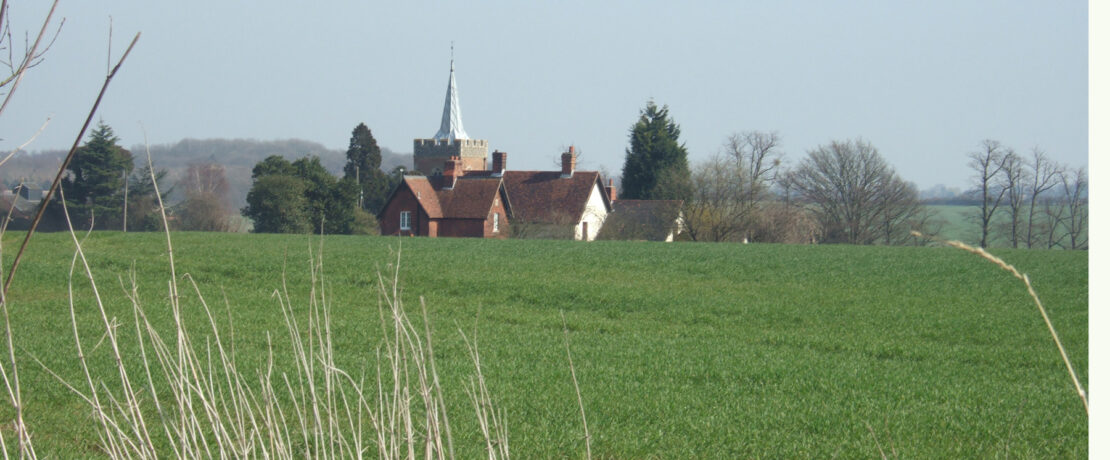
(448, 205)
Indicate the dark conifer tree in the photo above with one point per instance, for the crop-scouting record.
(655, 164)
(94, 187)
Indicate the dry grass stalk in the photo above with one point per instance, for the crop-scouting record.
(577, 392)
(206, 406)
(1036, 299)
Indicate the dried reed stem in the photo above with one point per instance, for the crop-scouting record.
(1036, 299)
(577, 392)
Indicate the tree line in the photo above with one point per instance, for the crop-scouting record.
(840, 192)
(844, 191)
(104, 189)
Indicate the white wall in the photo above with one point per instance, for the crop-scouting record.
(594, 215)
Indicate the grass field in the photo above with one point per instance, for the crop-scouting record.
(681, 350)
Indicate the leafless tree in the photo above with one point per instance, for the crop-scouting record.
(856, 197)
(757, 156)
(715, 210)
(206, 206)
(781, 222)
(989, 189)
(1044, 175)
(1014, 181)
(727, 190)
(1075, 196)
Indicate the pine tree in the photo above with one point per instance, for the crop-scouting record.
(94, 187)
(655, 164)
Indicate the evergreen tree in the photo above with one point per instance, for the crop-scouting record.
(94, 186)
(655, 164)
(364, 161)
(363, 153)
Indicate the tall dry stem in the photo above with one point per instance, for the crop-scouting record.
(1036, 300)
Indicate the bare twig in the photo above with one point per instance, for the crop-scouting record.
(25, 144)
(65, 164)
(31, 55)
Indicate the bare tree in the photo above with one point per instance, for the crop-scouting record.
(758, 156)
(1044, 175)
(989, 190)
(856, 197)
(727, 190)
(206, 206)
(1014, 181)
(715, 211)
(1075, 195)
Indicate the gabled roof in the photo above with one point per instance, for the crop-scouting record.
(470, 198)
(546, 196)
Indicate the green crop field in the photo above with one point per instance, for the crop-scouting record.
(680, 350)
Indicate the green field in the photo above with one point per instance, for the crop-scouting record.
(681, 350)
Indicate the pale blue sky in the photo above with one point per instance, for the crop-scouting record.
(923, 81)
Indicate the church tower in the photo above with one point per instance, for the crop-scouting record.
(430, 155)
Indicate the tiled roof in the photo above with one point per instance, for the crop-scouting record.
(470, 198)
(546, 196)
(425, 194)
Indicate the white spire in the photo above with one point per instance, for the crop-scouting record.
(451, 126)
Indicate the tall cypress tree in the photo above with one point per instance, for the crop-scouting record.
(364, 161)
(655, 164)
(363, 153)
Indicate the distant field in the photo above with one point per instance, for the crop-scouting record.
(957, 224)
(681, 350)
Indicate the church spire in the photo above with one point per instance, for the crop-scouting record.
(451, 126)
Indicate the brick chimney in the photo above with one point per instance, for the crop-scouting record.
(569, 159)
(500, 159)
(611, 191)
(451, 172)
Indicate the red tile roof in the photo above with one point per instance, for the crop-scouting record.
(546, 196)
(470, 198)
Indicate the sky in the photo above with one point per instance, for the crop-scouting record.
(924, 82)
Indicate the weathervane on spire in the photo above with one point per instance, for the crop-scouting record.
(451, 126)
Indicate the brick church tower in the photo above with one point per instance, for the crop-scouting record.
(430, 155)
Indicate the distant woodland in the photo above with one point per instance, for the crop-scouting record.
(237, 156)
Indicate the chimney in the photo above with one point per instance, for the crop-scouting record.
(450, 172)
(499, 160)
(569, 158)
(611, 191)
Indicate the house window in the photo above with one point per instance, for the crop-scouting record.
(405, 220)
(496, 222)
